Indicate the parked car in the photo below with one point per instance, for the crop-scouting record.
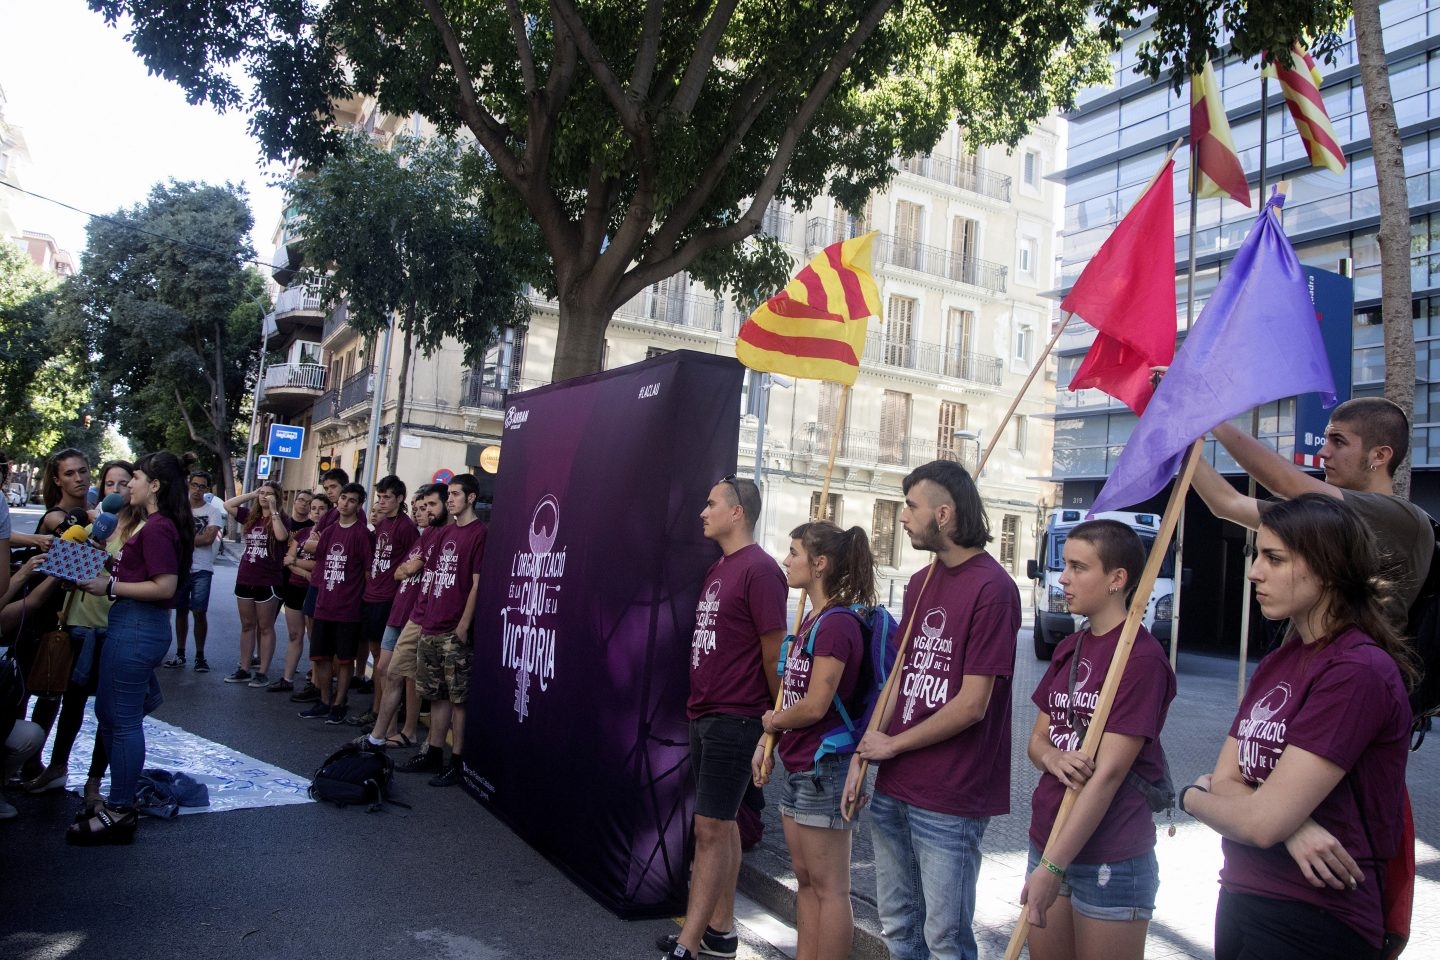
(15, 494)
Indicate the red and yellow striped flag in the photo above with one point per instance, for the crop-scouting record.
(1215, 168)
(1300, 82)
(815, 328)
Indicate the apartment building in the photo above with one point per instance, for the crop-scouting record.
(966, 246)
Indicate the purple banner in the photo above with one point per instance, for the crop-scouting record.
(575, 729)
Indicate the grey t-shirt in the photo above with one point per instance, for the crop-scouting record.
(4, 519)
(1403, 533)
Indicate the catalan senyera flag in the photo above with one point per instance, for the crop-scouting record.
(1300, 82)
(815, 328)
(1216, 169)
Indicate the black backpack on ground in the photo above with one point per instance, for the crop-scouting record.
(1423, 632)
(355, 775)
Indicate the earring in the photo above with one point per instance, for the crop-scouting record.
(1114, 590)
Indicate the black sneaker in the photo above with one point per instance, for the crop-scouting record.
(449, 778)
(280, 686)
(254, 662)
(202, 665)
(241, 675)
(712, 944)
(176, 661)
(317, 711)
(362, 685)
(337, 715)
(259, 680)
(428, 760)
(308, 694)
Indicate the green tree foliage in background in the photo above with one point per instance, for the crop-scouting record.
(171, 319)
(404, 232)
(630, 141)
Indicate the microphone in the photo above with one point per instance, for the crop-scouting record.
(113, 503)
(103, 527)
(75, 534)
(92, 497)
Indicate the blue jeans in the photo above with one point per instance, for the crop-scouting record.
(926, 868)
(137, 640)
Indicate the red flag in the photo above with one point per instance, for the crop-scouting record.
(1127, 292)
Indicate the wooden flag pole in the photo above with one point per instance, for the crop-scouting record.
(1096, 730)
(887, 692)
(769, 743)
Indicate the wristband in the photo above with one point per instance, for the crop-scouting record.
(1052, 868)
(110, 589)
(1180, 800)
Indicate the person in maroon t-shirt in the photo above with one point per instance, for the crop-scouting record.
(1102, 865)
(401, 638)
(739, 626)
(264, 533)
(341, 559)
(292, 591)
(822, 669)
(444, 611)
(943, 745)
(1308, 793)
(395, 533)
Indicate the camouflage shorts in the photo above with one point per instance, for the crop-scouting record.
(442, 670)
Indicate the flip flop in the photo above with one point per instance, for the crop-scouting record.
(398, 740)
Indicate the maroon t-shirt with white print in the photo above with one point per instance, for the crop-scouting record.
(449, 574)
(1344, 702)
(341, 561)
(743, 598)
(151, 551)
(393, 538)
(838, 637)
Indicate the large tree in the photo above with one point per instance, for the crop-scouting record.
(170, 317)
(637, 140)
(44, 390)
(403, 231)
(1187, 33)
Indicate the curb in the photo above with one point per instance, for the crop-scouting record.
(767, 879)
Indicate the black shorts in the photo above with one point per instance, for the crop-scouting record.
(246, 591)
(333, 639)
(293, 594)
(372, 621)
(1247, 925)
(721, 748)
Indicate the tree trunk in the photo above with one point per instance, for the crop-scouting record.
(1394, 237)
(392, 450)
(580, 339)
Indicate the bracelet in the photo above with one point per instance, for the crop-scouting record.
(110, 589)
(1052, 868)
(1180, 800)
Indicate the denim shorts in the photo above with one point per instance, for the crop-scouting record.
(198, 590)
(812, 797)
(388, 639)
(1124, 890)
(721, 748)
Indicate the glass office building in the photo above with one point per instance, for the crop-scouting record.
(1119, 135)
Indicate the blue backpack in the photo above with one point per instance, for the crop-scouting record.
(878, 633)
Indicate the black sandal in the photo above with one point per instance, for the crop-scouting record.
(105, 827)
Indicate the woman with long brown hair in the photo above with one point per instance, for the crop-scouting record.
(259, 581)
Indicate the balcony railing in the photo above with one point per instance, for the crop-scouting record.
(676, 310)
(476, 393)
(295, 376)
(965, 174)
(873, 448)
(932, 358)
(356, 390)
(326, 408)
(898, 252)
(293, 299)
(338, 318)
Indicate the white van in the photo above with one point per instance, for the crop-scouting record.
(1053, 621)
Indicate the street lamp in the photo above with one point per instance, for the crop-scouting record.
(971, 435)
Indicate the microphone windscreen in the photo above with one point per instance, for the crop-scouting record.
(92, 497)
(75, 533)
(104, 526)
(113, 503)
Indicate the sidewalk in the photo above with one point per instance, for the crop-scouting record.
(1189, 862)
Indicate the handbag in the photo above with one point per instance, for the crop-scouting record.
(54, 660)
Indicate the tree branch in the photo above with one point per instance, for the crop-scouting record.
(522, 48)
(649, 52)
(489, 131)
(703, 59)
(567, 16)
(190, 426)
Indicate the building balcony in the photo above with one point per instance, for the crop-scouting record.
(355, 395)
(932, 358)
(337, 330)
(326, 410)
(297, 310)
(478, 395)
(874, 450)
(897, 252)
(291, 387)
(965, 174)
(675, 310)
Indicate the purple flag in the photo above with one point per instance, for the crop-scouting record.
(1257, 340)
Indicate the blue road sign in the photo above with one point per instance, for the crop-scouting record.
(262, 467)
(285, 441)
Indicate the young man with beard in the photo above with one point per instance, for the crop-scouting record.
(739, 626)
(444, 611)
(341, 559)
(395, 533)
(401, 635)
(943, 746)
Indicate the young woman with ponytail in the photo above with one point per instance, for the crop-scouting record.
(836, 570)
